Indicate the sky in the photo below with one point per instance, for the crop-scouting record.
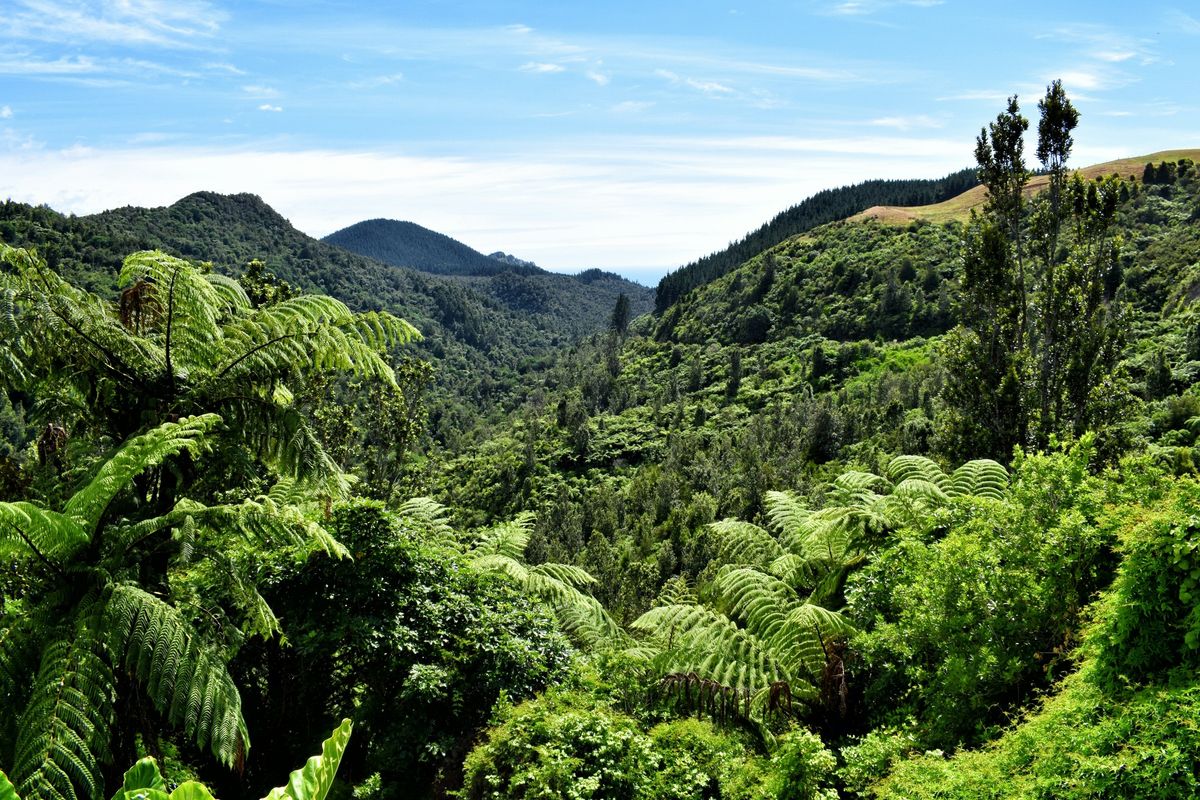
(632, 136)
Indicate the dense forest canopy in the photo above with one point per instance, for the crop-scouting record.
(866, 510)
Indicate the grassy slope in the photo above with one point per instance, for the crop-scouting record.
(959, 208)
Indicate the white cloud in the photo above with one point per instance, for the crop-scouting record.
(541, 67)
(23, 64)
(377, 81)
(705, 86)
(907, 123)
(599, 78)
(220, 66)
(6, 112)
(604, 202)
(632, 106)
(160, 23)
(269, 107)
(1183, 21)
(259, 92)
(862, 8)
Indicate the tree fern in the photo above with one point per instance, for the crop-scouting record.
(187, 681)
(501, 549)
(63, 732)
(982, 478)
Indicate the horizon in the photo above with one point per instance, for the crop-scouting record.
(627, 138)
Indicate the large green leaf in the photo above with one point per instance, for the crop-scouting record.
(7, 790)
(314, 779)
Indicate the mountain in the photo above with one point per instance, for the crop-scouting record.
(573, 305)
(825, 206)
(406, 244)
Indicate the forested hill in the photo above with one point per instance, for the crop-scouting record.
(406, 244)
(825, 206)
(574, 305)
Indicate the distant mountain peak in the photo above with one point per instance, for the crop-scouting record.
(407, 244)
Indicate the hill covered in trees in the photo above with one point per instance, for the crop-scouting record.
(825, 206)
(576, 304)
(406, 244)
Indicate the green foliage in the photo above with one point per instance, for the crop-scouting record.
(87, 620)
(407, 639)
(965, 622)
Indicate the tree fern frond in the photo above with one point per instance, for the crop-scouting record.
(785, 511)
(190, 306)
(27, 529)
(676, 590)
(744, 543)
(135, 456)
(981, 478)
(187, 682)
(505, 565)
(284, 439)
(430, 516)
(851, 486)
(575, 577)
(902, 468)
(508, 538)
(760, 601)
(811, 625)
(230, 291)
(63, 737)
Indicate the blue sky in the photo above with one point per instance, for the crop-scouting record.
(628, 135)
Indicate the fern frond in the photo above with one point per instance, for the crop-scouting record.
(87, 506)
(507, 539)
(505, 565)
(760, 601)
(187, 329)
(430, 516)
(187, 682)
(786, 513)
(676, 590)
(981, 478)
(741, 542)
(902, 468)
(27, 529)
(232, 295)
(62, 744)
(566, 574)
(283, 438)
(587, 622)
(811, 625)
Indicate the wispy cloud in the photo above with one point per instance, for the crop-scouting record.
(541, 67)
(6, 112)
(159, 23)
(220, 66)
(609, 201)
(1183, 21)
(260, 92)
(862, 8)
(908, 123)
(377, 81)
(705, 86)
(597, 77)
(26, 64)
(269, 107)
(632, 106)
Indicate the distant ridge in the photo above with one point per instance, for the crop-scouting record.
(829, 205)
(406, 244)
(960, 206)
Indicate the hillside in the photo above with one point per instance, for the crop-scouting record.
(823, 207)
(406, 244)
(573, 305)
(960, 206)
